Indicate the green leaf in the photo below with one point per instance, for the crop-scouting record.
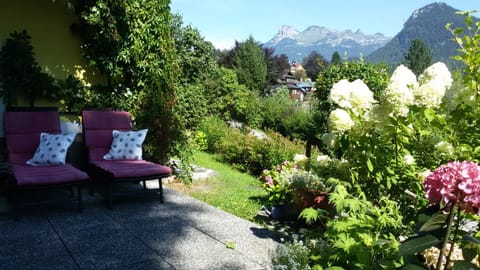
(335, 268)
(369, 165)
(230, 245)
(415, 245)
(470, 250)
(310, 215)
(464, 265)
(412, 267)
(437, 221)
(429, 114)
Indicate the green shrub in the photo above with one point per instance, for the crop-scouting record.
(274, 109)
(244, 151)
(214, 129)
(274, 150)
(192, 104)
(237, 149)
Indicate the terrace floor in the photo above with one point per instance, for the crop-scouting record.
(139, 233)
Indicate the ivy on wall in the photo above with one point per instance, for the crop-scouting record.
(131, 43)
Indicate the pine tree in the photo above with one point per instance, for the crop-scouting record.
(336, 59)
(419, 57)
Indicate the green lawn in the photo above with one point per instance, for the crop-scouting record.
(230, 190)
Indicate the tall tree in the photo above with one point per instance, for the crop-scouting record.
(419, 57)
(250, 66)
(336, 59)
(277, 65)
(225, 57)
(196, 56)
(313, 64)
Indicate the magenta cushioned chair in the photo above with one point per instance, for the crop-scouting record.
(22, 132)
(97, 131)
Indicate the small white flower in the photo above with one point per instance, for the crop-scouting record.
(340, 120)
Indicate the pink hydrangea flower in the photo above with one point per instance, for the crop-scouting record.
(457, 182)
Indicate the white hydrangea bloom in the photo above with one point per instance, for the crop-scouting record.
(439, 73)
(340, 120)
(456, 96)
(340, 94)
(409, 159)
(399, 97)
(378, 117)
(329, 139)
(428, 96)
(434, 81)
(352, 95)
(300, 158)
(323, 160)
(404, 75)
(445, 148)
(399, 92)
(361, 98)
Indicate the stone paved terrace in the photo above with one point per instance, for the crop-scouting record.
(139, 233)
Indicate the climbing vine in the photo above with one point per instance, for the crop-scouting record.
(131, 43)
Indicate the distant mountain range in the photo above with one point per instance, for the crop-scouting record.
(297, 45)
(427, 23)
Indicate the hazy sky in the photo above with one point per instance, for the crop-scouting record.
(224, 21)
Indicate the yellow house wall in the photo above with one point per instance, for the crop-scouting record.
(48, 22)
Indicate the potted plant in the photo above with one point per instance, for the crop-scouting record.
(276, 182)
(309, 190)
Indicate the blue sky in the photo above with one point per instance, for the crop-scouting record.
(224, 21)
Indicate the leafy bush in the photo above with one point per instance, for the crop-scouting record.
(275, 108)
(362, 236)
(273, 150)
(192, 104)
(245, 151)
(214, 130)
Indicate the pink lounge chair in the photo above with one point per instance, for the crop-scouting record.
(98, 127)
(23, 134)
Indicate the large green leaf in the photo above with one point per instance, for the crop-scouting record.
(412, 267)
(464, 265)
(429, 114)
(415, 245)
(470, 250)
(436, 222)
(369, 165)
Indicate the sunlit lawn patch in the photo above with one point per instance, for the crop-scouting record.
(230, 190)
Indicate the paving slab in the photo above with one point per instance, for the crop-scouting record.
(139, 233)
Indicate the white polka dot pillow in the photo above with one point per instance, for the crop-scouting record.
(52, 149)
(126, 145)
